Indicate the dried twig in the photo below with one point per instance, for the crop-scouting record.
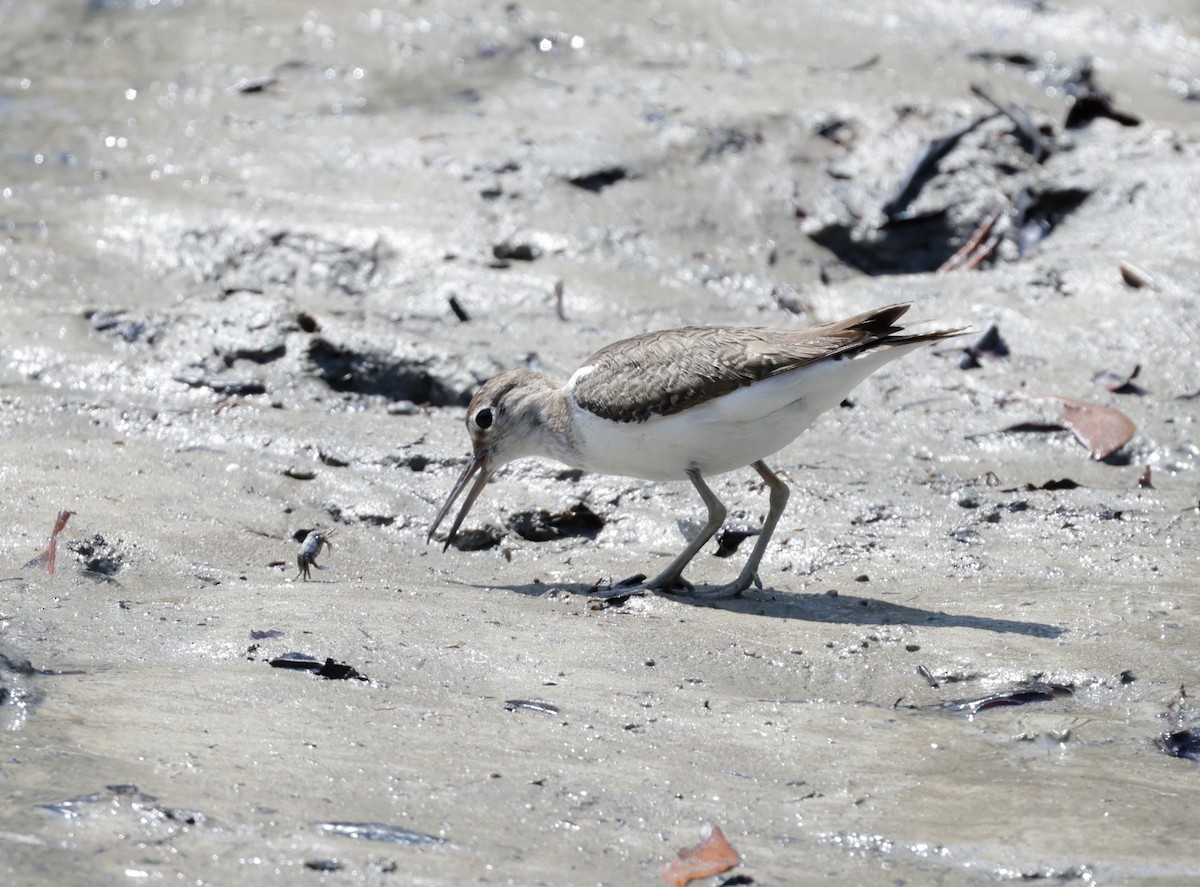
(924, 168)
(559, 310)
(978, 246)
(1039, 146)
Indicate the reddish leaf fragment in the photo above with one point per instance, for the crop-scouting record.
(713, 855)
(47, 557)
(1103, 430)
(52, 548)
(63, 517)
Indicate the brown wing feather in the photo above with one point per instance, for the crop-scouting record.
(655, 375)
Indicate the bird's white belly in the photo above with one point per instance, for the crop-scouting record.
(665, 448)
(720, 435)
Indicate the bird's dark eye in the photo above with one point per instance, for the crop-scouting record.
(484, 418)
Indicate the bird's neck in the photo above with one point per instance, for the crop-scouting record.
(548, 419)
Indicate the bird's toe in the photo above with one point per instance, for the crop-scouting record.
(671, 585)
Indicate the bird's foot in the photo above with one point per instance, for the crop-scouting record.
(724, 592)
(735, 588)
(638, 584)
(669, 583)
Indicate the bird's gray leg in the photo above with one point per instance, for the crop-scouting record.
(779, 497)
(671, 579)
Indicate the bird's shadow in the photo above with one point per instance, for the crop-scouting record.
(846, 609)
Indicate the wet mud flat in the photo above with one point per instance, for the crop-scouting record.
(257, 259)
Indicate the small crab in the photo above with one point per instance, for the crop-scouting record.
(306, 557)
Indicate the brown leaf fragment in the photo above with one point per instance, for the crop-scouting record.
(1103, 430)
(713, 855)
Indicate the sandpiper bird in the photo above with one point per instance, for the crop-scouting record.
(682, 404)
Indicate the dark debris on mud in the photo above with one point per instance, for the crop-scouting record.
(982, 192)
(543, 526)
(361, 369)
(1181, 739)
(98, 557)
(328, 668)
(131, 802)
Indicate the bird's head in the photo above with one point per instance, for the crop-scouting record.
(506, 421)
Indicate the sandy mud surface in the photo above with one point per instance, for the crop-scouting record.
(255, 258)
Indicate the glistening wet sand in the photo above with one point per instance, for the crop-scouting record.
(231, 235)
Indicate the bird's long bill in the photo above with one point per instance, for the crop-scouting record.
(478, 466)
